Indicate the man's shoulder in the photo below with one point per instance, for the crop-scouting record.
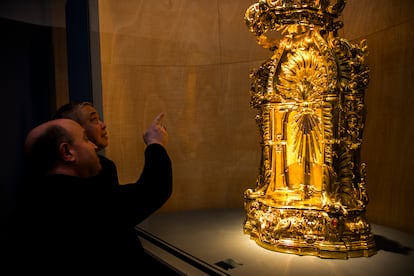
(109, 170)
(105, 160)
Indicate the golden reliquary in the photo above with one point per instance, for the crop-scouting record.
(310, 196)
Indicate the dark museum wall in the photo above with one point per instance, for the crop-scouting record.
(26, 85)
(192, 59)
(30, 77)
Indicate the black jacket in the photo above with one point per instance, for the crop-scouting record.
(72, 223)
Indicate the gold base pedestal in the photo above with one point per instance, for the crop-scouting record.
(311, 231)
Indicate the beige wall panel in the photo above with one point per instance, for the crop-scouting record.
(161, 33)
(388, 138)
(177, 33)
(214, 141)
(364, 17)
(213, 135)
(237, 43)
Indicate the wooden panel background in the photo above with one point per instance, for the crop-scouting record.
(192, 60)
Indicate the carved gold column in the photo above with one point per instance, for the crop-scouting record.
(310, 196)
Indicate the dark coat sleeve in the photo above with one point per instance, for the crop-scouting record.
(153, 188)
(109, 174)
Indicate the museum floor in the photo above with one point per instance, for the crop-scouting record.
(212, 242)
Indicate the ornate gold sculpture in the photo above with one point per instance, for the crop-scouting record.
(310, 196)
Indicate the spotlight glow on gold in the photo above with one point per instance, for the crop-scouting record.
(310, 196)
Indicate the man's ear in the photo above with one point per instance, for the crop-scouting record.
(65, 152)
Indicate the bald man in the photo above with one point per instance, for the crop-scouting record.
(62, 147)
(67, 221)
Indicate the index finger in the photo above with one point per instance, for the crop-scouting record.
(158, 119)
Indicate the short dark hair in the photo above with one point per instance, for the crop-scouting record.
(43, 153)
(71, 111)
